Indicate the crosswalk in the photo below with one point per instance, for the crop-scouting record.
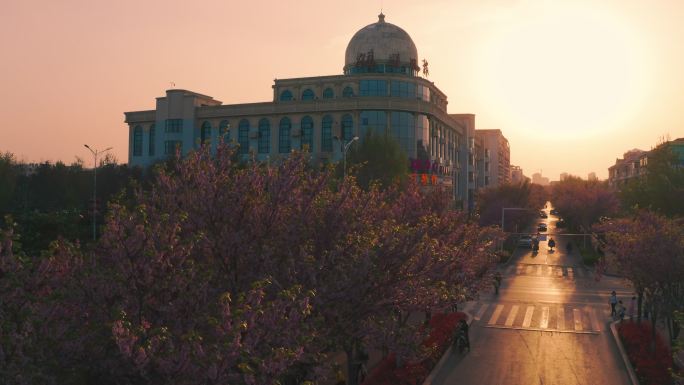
(543, 270)
(541, 316)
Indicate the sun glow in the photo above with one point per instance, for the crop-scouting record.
(565, 71)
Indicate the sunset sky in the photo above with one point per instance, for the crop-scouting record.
(572, 84)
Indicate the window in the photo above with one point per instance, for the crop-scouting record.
(402, 89)
(348, 92)
(347, 127)
(307, 133)
(373, 88)
(286, 96)
(264, 136)
(308, 94)
(224, 131)
(170, 147)
(375, 121)
(243, 136)
(137, 141)
(205, 133)
(403, 129)
(174, 126)
(326, 134)
(284, 144)
(150, 145)
(328, 93)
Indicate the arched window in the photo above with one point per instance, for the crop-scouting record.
(243, 136)
(348, 92)
(347, 127)
(326, 134)
(284, 143)
(150, 145)
(307, 133)
(224, 131)
(205, 133)
(137, 141)
(264, 136)
(286, 96)
(308, 94)
(328, 93)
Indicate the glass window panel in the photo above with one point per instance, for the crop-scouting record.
(284, 141)
(243, 136)
(264, 143)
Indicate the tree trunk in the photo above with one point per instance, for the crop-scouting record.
(352, 366)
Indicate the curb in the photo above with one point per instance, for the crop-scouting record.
(442, 361)
(630, 370)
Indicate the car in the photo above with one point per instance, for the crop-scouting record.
(542, 214)
(542, 227)
(554, 212)
(525, 241)
(560, 223)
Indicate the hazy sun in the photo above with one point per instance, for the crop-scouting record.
(564, 71)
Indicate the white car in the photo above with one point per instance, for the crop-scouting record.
(525, 241)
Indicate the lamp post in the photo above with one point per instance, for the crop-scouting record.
(95, 154)
(346, 147)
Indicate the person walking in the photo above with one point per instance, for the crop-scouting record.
(632, 306)
(620, 308)
(497, 282)
(613, 301)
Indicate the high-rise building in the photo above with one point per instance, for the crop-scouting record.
(517, 175)
(537, 178)
(381, 90)
(497, 157)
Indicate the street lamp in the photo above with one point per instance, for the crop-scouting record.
(346, 147)
(95, 154)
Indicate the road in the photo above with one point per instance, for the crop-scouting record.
(548, 325)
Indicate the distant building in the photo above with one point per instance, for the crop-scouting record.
(634, 162)
(592, 176)
(564, 176)
(497, 157)
(537, 178)
(517, 175)
(380, 90)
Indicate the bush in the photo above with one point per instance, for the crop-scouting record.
(590, 256)
(442, 329)
(651, 368)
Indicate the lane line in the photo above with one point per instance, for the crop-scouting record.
(479, 314)
(496, 314)
(559, 272)
(511, 315)
(577, 315)
(528, 317)
(561, 318)
(539, 269)
(594, 321)
(571, 274)
(529, 269)
(544, 322)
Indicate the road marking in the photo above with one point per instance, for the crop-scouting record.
(544, 322)
(479, 314)
(529, 269)
(521, 269)
(561, 318)
(539, 269)
(511, 315)
(496, 314)
(577, 315)
(528, 317)
(550, 270)
(594, 321)
(571, 275)
(559, 271)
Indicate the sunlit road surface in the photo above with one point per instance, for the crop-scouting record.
(549, 325)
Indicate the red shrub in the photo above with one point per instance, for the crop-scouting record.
(652, 368)
(442, 329)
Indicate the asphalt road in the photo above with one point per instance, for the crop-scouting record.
(548, 325)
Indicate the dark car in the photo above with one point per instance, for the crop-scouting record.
(542, 214)
(542, 227)
(554, 212)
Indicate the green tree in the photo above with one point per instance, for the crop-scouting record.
(661, 189)
(378, 158)
(8, 180)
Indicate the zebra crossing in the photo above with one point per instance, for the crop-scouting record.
(543, 270)
(541, 316)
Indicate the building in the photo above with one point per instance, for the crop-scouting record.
(564, 176)
(592, 176)
(633, 163)
(517, 176)
(497, 157)
(537, 178)
(380, 90)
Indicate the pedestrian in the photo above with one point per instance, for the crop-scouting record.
(363, 373)
(463, 328)
(497, 282)
(632, 306)
(620, 308)
(613, 301)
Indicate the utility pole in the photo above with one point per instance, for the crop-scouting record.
(95, 154)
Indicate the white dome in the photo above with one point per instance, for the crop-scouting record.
(387, 42)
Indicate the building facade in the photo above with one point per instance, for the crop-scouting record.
(517, 176)
(497, 158)
(633, 163)
(380, 91)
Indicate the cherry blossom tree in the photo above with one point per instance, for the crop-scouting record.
(582, 203)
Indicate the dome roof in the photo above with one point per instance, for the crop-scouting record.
(387, 42)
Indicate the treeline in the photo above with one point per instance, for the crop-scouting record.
(51, 200)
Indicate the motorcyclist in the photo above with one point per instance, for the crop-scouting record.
(462, 330)
(552, 243)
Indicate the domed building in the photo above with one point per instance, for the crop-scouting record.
(380, 90)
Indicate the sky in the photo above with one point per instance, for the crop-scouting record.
(571, 84)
